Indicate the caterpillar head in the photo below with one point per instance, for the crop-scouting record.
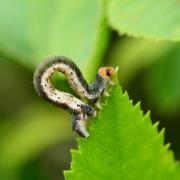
(106, 72)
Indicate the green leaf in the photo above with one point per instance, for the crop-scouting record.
(142, 18)
(123, 144)
(159, 62)
(31, 30)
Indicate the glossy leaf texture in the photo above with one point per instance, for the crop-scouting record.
(123, 144)
(143, 18)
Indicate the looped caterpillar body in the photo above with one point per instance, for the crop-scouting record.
(79, 109)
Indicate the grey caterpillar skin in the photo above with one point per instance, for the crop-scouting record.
(78, 124)
(75, 106)
(45, 89)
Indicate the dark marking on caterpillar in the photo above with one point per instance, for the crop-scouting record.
(64, 106)
(108, 72)
(79, 109)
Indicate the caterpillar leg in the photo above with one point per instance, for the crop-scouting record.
(106, 93)
(79, 124)
(112, 83)
(98, 104)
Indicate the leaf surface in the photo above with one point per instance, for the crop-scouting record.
(143, 18)
(123, 144)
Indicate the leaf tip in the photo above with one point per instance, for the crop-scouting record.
(167, 146)
(137, 106)
(155, 125)
(161, 135)
(147, 116)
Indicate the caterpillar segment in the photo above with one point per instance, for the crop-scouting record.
(79, 109)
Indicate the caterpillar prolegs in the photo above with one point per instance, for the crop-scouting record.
(79, 109)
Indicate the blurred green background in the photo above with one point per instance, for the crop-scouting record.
(35, 137)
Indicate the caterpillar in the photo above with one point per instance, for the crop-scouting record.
(79, 109)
